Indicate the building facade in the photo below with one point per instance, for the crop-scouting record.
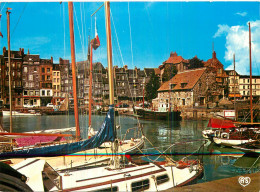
(46, 91)
(31, 81)
(192, 88)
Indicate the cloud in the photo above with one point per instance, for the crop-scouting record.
(237, 41)
(242, 14)
(221, 30)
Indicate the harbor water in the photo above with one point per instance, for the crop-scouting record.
(178, 139)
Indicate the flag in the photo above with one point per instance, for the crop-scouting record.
(0, 31)
(95, 42)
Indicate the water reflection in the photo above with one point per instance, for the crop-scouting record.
(219, 162)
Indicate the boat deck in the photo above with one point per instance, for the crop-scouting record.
(91, 156)
(228, 184)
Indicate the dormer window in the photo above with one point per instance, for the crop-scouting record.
(183, 85)
(172, 86)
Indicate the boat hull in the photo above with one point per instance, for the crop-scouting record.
(147, 176)
(231, 142)
(155, 115)
(17, 113)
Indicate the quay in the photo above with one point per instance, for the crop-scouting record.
(229, 184)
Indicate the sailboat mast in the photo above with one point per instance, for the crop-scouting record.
(109, 53)
(90, 86)
(251, 98)
(10, 68)
(73, 65)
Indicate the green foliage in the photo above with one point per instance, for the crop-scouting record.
(195, 63)
(169, 72)
(151, 87)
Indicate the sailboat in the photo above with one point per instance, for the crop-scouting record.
(103, 137)
(122, 173)
(246, 133)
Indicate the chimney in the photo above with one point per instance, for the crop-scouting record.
(51, 59)
(173, 54)
(4, 50)
(214, 55)
(28, 53)
(125, 67)
(20, 52)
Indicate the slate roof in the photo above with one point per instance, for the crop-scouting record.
(190, 78)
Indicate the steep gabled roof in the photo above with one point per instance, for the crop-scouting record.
(187, 78)
(174, 58)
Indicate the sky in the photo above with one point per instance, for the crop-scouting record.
(143, 33)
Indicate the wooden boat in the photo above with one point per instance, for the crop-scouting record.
(21, 113)
(158, 115)
(215, 124)
(252, 148)
(235, 136)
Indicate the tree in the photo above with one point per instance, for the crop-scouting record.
(151, 87)
(169, 72)
(195, 63)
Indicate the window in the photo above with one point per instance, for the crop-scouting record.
(162, 179)
(25, 93)
(48, 77)
(31, 93)
(43, 93)
(54, 87)
(54, 80)
(113, 189)
(13, 65)
(48, 93)
(54, 73)
(58, 80)
(183, 85)
(43, 70)
(183, 101)
(37, 93)
(35, 69)
(140, 185)
(58, 73)
(30, 77)
(172, 86)
(43, 77)
(48, 70)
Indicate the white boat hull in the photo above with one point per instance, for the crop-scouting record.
(17, 113)
(247, 150)
(152, 177)
(230, 142)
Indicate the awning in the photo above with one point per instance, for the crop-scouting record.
(221, 123)
(234, 95)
